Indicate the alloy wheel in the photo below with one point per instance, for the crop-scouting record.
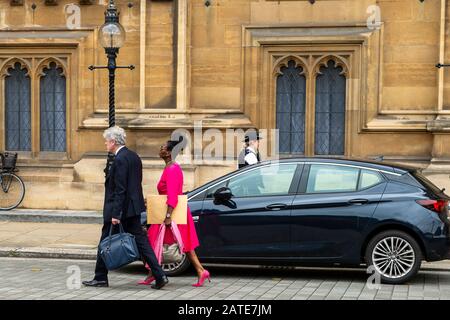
(170, 267)
(393, 257)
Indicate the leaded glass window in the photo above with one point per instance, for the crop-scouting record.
(330, 111)
(18, 109)
(290, 105)
(53, 109)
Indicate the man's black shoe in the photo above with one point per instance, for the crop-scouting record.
(96, 283)
(160, 283)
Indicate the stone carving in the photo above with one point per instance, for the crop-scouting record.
(16, 2)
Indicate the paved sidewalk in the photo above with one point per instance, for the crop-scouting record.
(51, 240)
(60, 279)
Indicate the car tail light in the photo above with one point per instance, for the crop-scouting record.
(438, 206)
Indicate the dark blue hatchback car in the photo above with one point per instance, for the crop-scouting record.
(322, 212)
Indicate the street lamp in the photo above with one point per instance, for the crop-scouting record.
(112, 37)
(111, 33)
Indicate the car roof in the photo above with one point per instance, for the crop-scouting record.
(381, 165)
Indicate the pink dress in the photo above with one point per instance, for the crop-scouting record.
(171, 184)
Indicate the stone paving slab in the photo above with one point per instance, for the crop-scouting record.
(50, 253)
(56, 235)
(39, 279)
(52, 216)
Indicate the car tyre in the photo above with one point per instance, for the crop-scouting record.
(395, 255)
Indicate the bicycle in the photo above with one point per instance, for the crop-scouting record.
(12, 188)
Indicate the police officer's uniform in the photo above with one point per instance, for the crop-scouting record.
(248, 156)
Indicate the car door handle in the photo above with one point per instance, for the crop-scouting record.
(358, 201)
(276, 206)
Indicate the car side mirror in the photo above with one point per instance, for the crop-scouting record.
(223, 194)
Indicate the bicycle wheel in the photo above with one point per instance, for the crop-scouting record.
(12, 191)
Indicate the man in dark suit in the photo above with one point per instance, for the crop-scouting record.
(124, 203)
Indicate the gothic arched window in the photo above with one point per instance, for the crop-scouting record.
(330, 110)
(53, 109)
(18, 109)
(290, 109)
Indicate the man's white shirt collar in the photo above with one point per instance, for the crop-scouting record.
(117, 151)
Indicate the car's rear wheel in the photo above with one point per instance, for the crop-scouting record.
(395, 255)
(175, 269)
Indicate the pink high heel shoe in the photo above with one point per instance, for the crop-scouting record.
(205, 275)
(147, 281)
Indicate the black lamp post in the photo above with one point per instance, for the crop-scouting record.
(112, 37)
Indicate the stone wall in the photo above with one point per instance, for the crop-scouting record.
(213, 63)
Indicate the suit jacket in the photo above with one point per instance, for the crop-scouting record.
(123, 187)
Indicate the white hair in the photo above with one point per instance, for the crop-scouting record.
(117, 134)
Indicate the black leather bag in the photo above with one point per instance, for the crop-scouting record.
(119, 249)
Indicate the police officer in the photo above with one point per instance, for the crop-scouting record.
(250, 154)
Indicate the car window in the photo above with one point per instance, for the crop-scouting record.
(369, 178)
(330, 178)
(270, 180)
(426, 182)
(198, 197)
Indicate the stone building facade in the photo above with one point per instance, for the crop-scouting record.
(357, 76)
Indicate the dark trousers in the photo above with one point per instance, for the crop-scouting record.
(133, 226)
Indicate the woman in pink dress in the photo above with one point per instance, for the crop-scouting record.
(171, 184)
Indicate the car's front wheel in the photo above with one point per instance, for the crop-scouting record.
(395, 256)
(175, 269)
